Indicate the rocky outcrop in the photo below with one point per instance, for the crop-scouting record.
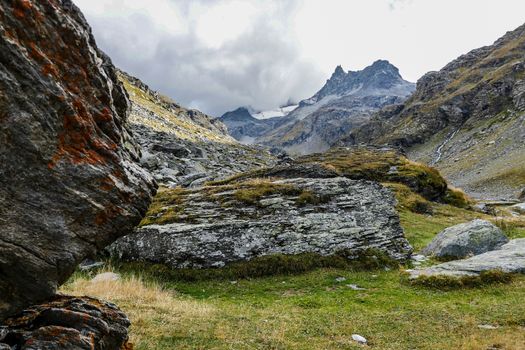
(69, 180)
(509, 258)
(67, 323)
(463, 240)
(465, 120)
(346, 101)
(216, 225)
(183, 147)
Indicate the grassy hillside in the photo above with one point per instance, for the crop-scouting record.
(467, 120)
(166, 116)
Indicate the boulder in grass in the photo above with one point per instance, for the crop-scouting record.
(467, 239)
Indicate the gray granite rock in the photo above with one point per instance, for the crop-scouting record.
(212, 230)
(518, 208)
(471, 238)
(70, 182)
(509, 258)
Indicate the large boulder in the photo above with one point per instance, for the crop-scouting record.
(66, 323)
(471, 238)
(69, 181)
(508, 258)
(217, 225)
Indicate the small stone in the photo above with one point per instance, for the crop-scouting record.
(359, 338)
(89, 265)
(233, 282)
(340, 279)
(106, 277)
(487, 326)
(518, 208)
(355, 287)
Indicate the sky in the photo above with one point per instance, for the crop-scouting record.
(217, 55)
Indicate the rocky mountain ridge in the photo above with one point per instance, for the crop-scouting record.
(465, 119)
(183, 147)
(346, 101)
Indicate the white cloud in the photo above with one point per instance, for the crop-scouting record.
(217, 55)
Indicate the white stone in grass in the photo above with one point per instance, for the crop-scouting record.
(106, 277)
(487, 326)
(340, 279)
(359, 338)
(355, 287)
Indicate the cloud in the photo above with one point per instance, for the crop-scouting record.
(215, 58)
(221, 54)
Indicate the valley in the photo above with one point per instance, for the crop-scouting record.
(378, 213)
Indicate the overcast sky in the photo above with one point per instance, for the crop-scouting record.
(218, 55)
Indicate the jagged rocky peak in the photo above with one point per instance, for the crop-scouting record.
(239, 114)
(381, 75)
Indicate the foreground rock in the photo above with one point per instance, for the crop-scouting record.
(216, 225)
(509, 258)
(69, 184)
(67, 323)
(471, 238)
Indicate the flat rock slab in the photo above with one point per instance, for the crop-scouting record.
(509, 258)
(213, 229)
(463, 240)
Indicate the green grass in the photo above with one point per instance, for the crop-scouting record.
(313, 311)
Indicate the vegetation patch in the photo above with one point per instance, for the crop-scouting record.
(308, 197)
(166, 207)
(270, 265)
(250, 192)
(444, 282)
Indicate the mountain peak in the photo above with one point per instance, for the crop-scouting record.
(380, 75)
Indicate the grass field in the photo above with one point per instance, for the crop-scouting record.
(314, 310)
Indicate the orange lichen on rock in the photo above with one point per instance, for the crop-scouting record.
(108, 214)
(21, 7)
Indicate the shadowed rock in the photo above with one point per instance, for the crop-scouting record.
(69, 183)
(67, 323)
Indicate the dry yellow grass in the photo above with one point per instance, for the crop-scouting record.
(153, 311)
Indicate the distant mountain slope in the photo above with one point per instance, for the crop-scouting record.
(182, 146)
(468, 119)
(346, 100)
(245, 128)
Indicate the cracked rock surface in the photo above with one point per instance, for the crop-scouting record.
(213, 227)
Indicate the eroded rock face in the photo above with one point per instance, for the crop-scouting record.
(69, 183)
(67, 323)
(471, 238)
(213, 226)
